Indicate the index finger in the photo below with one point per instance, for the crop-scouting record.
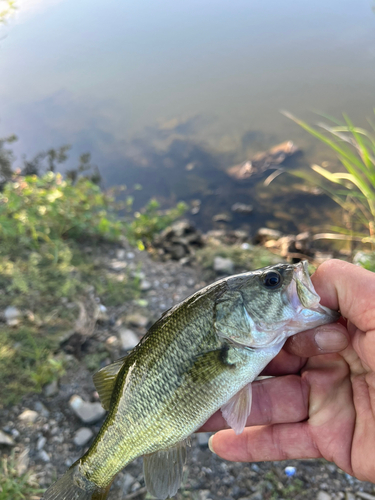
(349, 288)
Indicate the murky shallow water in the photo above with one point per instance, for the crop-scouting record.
(169, 94)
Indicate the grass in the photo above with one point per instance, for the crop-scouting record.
(353, 187)
(55, 236)
(15, 484)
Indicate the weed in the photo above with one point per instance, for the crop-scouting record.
(150, 221)
(353, 189)
(17, 485)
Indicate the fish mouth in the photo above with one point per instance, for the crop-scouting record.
(305, 301)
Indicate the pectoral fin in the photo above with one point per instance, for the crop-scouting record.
(105, 379)
(163, 470)
(238, 408)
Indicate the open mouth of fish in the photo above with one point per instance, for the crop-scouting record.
(307, 310)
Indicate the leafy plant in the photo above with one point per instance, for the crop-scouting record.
(47, 209)
(353, 189)
(150, 221)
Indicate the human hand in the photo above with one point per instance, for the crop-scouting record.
(319, 406)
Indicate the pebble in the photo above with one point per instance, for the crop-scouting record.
(82, 436)
(5, 439)
(202, 438)
(349, 496)
(15, 433)
(137, 320)
(12, 315)
(128, 339)
(264, 234)
(87, 412)
(28, 416)
(118, 265)
(323, 495)
(222, 265)
(41, 442)
(365, 496)
(204, 494)
(43, 455)
(127, 482)
(40, 408)
(51, 389)
(145, 285)
(120, 254)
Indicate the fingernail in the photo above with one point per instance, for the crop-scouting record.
(330, 340)
(210, 444)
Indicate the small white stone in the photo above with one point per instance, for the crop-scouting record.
(51, 389)
(128, 339)
(82, 436)
(120, 254)
(28, 416)
(5, 439)
(145, 285)
(87, 412)
(118, 265)
(12, 315)
(222, 265)
(323, 495)
(41, 442)
(43, 455)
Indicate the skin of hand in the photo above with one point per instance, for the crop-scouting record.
(321, 402)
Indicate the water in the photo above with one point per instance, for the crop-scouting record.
(169, 94)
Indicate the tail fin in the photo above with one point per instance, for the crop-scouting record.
(73, 486)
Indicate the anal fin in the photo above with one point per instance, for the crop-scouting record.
(163, 470)
(238, 408)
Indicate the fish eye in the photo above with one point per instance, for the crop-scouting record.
(271, 280)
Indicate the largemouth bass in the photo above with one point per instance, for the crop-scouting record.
(200, 356)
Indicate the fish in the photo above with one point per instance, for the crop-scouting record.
(199, 357)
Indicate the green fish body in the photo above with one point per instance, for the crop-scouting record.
(200, 356)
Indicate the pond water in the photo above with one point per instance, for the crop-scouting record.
(169, 94)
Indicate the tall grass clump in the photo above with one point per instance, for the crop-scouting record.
(353, 187)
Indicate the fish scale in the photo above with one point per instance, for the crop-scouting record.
(200, 356)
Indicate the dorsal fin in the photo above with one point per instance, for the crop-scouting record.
(105, 379)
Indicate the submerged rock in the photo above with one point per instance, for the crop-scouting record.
(242, 208)
(178, 241)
